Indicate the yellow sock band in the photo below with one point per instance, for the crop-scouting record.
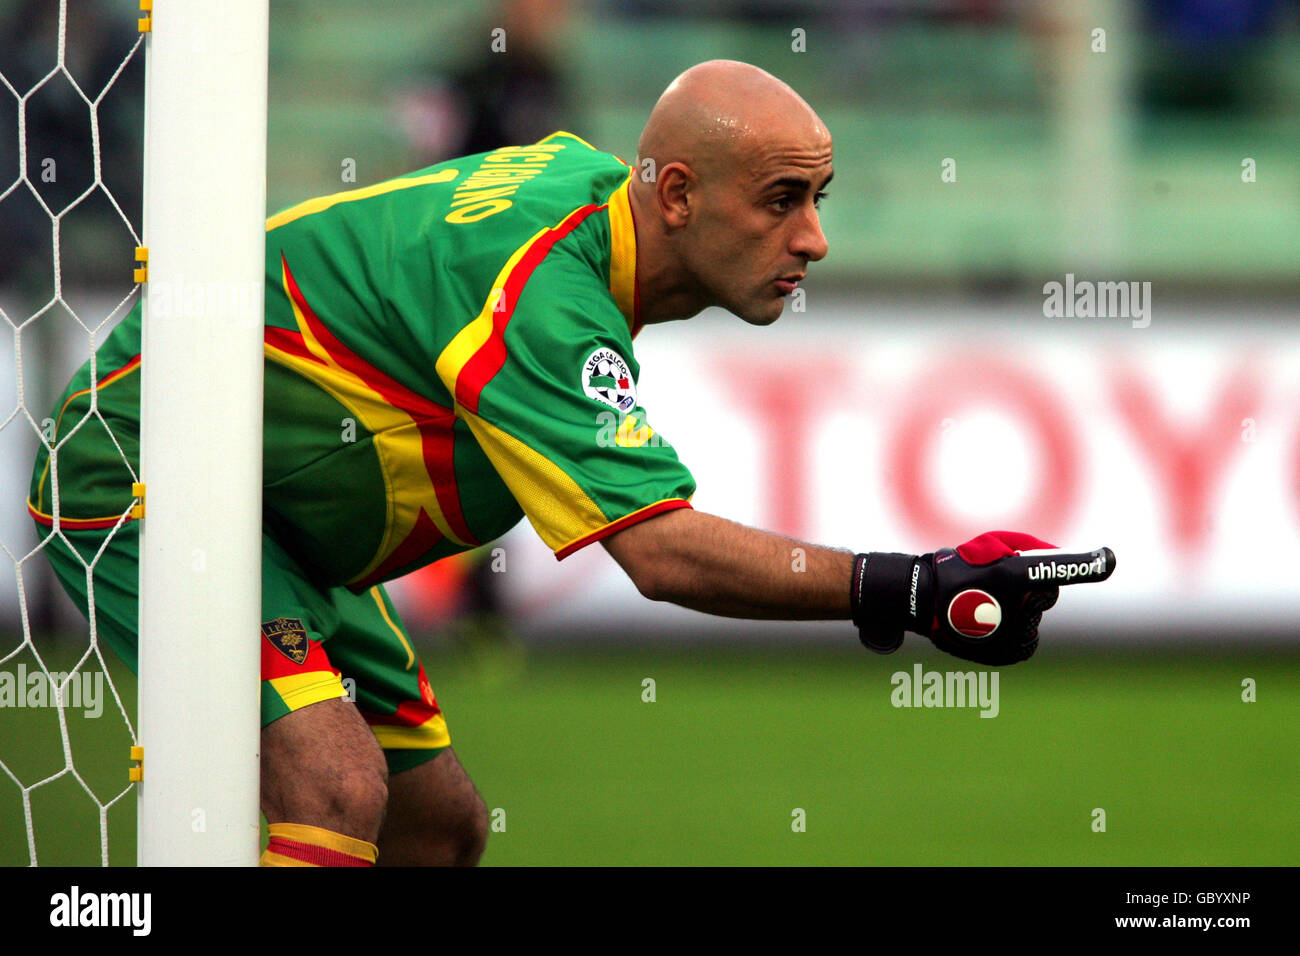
(296, 844)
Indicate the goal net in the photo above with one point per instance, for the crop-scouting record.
(83, 87)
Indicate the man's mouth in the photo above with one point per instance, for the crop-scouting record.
(787, 284)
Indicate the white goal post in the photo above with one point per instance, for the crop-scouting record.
(201, 430)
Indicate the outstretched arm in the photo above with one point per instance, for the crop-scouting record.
(710, 564)
(981, 601)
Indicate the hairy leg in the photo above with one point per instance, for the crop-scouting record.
(435, 816)
(321, 766)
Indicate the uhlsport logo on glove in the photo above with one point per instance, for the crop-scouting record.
(1065, 571)
(974, 613)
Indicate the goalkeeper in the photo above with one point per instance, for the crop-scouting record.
(445, 354)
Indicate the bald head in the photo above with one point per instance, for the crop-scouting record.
(732, 166)
(720, 113)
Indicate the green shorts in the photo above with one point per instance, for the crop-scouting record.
(317, 644)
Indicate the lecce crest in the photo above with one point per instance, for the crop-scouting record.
(288, 636)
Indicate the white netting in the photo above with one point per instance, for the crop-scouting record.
(52, 684)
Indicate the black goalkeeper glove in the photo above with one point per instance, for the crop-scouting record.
(981, 601)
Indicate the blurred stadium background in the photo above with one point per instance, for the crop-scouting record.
(916, 396)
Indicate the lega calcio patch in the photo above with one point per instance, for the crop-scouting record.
(607, 378)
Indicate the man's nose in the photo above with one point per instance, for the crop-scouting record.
(810, 241)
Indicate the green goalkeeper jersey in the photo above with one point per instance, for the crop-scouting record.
(446, 352)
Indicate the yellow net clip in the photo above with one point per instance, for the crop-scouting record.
(145, 23)
(137, 491)
(136, 773)
(142, 274)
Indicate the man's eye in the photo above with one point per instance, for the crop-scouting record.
(781, 203)
(817, 199)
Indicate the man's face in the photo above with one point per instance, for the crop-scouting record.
(758, 225)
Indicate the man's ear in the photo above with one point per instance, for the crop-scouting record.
(675, 189)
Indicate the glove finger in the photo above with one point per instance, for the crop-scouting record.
(992, 545)
(1041, 601)
(1057, 569)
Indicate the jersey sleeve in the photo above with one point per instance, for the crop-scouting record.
(549, 392)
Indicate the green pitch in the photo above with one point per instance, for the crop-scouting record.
(581, 769)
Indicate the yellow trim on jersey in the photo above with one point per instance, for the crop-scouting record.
(633, 433)
(383, 609)
(299, 690)
(321, 203)
(111, 379)
(557, 507)
(622, 252)
(562, 132)
(626, 519)
(397, 443)
(72, 524)
(471, 338)
(275, 859)
(428, 736)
